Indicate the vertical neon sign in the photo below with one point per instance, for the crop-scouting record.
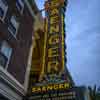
(54, 56)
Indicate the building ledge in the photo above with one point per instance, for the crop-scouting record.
(11, 84)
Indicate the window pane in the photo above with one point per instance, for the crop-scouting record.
(6, 50)
(21, 2)
(1, 12)
(3, 60)
(18, 5)
(13, 25)
(12, 28)
(14, 21)
(3, 8)
(4, 2)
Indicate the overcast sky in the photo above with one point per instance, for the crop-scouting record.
(83, 40)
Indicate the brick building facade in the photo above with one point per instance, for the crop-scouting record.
(16, 31)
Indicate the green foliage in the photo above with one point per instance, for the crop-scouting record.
(98, 96)
(94, 95)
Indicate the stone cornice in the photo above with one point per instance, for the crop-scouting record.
(11, 82)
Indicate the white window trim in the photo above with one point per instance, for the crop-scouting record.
(16, 26)
(27, 74)
(8, 61)
(22, 5)
(5, 12)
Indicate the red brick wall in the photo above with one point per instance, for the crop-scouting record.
(21, 44)
(19, 58)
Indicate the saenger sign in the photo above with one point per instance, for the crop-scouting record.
(54, 43)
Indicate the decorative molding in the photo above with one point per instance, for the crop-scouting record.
(11, 81)
(7, 92)
(28, 67)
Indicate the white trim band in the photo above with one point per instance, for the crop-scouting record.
(9, 79)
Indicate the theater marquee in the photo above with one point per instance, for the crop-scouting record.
(52, 84)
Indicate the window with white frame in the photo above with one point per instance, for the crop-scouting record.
(5, 53)
(3, 9)
(13, 26)
(20, 5)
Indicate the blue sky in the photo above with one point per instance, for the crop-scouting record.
(83, 38)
